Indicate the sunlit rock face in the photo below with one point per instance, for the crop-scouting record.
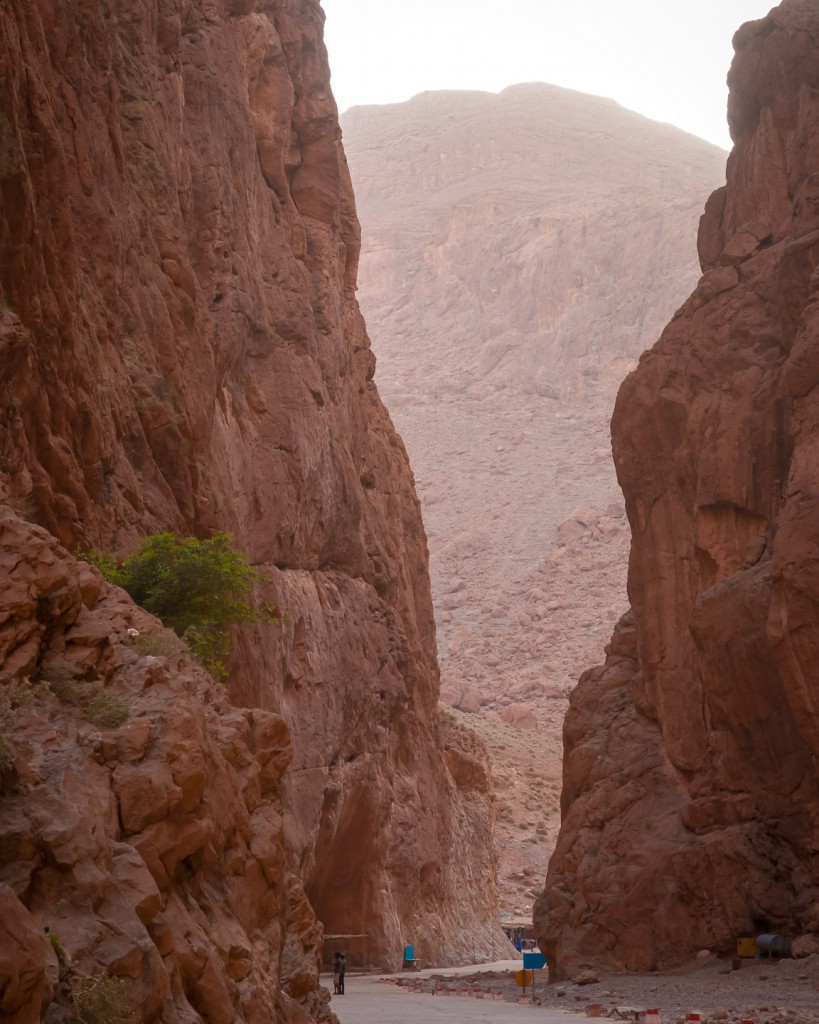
(690, 800)
(519, 252)
(181, 348)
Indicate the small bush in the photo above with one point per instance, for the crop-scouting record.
(99, 707)
(21, 693)
(198, 588)
(163, 643)
(105, 710)
(103, 1000)
(62, 679)
(105, 563)
(70, 691)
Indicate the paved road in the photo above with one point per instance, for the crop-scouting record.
(368, 1000)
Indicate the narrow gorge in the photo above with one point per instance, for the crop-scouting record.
(182, 351)
(519, 251)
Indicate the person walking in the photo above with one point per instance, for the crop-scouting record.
(337, 959)
(341, 972)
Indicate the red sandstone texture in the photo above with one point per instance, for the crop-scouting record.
(690, 801)
(181, 348)
(152, 848)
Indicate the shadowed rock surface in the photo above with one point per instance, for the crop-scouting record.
(519, 251)
(690, 800)
(181, 349)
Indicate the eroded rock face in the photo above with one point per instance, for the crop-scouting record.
(24, 982)
(690, 795)
(180, 348)
(149, 844)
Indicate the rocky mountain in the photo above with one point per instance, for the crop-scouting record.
(519, 251)
(690, 799)
(181, 349)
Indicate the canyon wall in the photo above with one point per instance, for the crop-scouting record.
(519, 251)
(181, 349)
(691, 794)
(141, 813)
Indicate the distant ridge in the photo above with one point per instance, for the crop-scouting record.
(520, 250)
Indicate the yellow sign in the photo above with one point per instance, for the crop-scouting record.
(524, 978)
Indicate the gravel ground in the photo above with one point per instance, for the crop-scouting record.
(764, 991)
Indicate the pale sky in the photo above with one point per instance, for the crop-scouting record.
(665, 60)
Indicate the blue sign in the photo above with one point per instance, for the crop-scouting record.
(534, 961)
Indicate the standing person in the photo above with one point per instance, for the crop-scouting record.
(336, 972)
(342, 969)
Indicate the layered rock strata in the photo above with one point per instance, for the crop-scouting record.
(691, 801)
(180, 348)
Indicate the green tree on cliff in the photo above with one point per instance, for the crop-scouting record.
(198, 588)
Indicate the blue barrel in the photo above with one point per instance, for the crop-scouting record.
(773, 945)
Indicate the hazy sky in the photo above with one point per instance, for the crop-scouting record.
(667, 61)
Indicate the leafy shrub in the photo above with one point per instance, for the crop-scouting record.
(198, 588)
(104, 562)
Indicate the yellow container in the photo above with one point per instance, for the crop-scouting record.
(746, 947)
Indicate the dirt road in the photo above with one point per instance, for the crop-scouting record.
(763, 991)
(368, 999)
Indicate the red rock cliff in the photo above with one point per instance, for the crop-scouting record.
(141, 814)
(180, 348)
(691, 800)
